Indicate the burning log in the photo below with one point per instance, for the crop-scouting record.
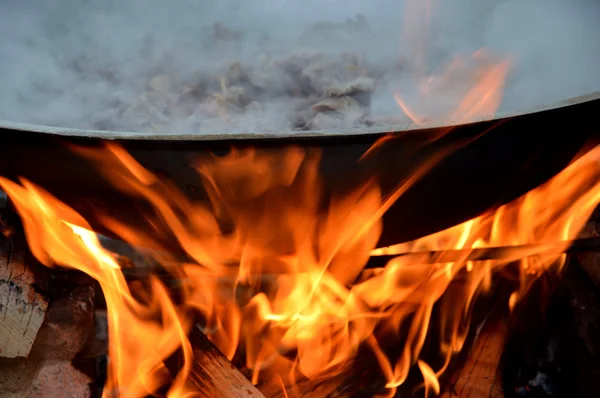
(22, 303)
(211, 373)
(478, 375)
(516, 252)
(214, 375)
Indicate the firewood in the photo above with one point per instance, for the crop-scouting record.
(214, 375)
(477, 374)
(516, 252)
(22, 305)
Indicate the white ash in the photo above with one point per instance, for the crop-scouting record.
(209, 66)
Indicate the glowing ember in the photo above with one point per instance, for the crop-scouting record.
(286, 283)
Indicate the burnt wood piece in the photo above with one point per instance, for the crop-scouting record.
(211, 375)
(582, 245)
(478, 375)
(23, 292)
(214, 375)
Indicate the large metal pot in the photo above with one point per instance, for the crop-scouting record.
(517, 152)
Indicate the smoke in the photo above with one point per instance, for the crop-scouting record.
(275, 65)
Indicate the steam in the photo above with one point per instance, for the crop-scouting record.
(90, 63)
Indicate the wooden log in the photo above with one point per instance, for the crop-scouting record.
(22, 303)
(214, 375)
(479, 376)
(587, 244)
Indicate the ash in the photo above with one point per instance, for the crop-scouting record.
(230, 66)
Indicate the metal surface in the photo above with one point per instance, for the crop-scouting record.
(173, 136)
(484, 164)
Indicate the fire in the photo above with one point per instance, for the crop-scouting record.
(544, 218)
(275, 268)
(480, 98)
(57, 235)
(469, 87)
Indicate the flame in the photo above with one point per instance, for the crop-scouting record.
(285, 282)
(480, 99)
(474, 82)
(468, 88)
(57, 235)
(545, 218)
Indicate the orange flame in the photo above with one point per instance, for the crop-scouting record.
(57, 235)
(554, 212)
(285, 282)
(476, 83)
(481, 99)
(469, 88)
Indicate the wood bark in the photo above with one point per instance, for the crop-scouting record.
(22, 303)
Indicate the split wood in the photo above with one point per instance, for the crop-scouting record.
(22, 304)
(213, 375)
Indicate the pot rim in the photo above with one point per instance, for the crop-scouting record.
(291, 134)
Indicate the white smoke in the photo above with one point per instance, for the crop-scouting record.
(83, 63)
